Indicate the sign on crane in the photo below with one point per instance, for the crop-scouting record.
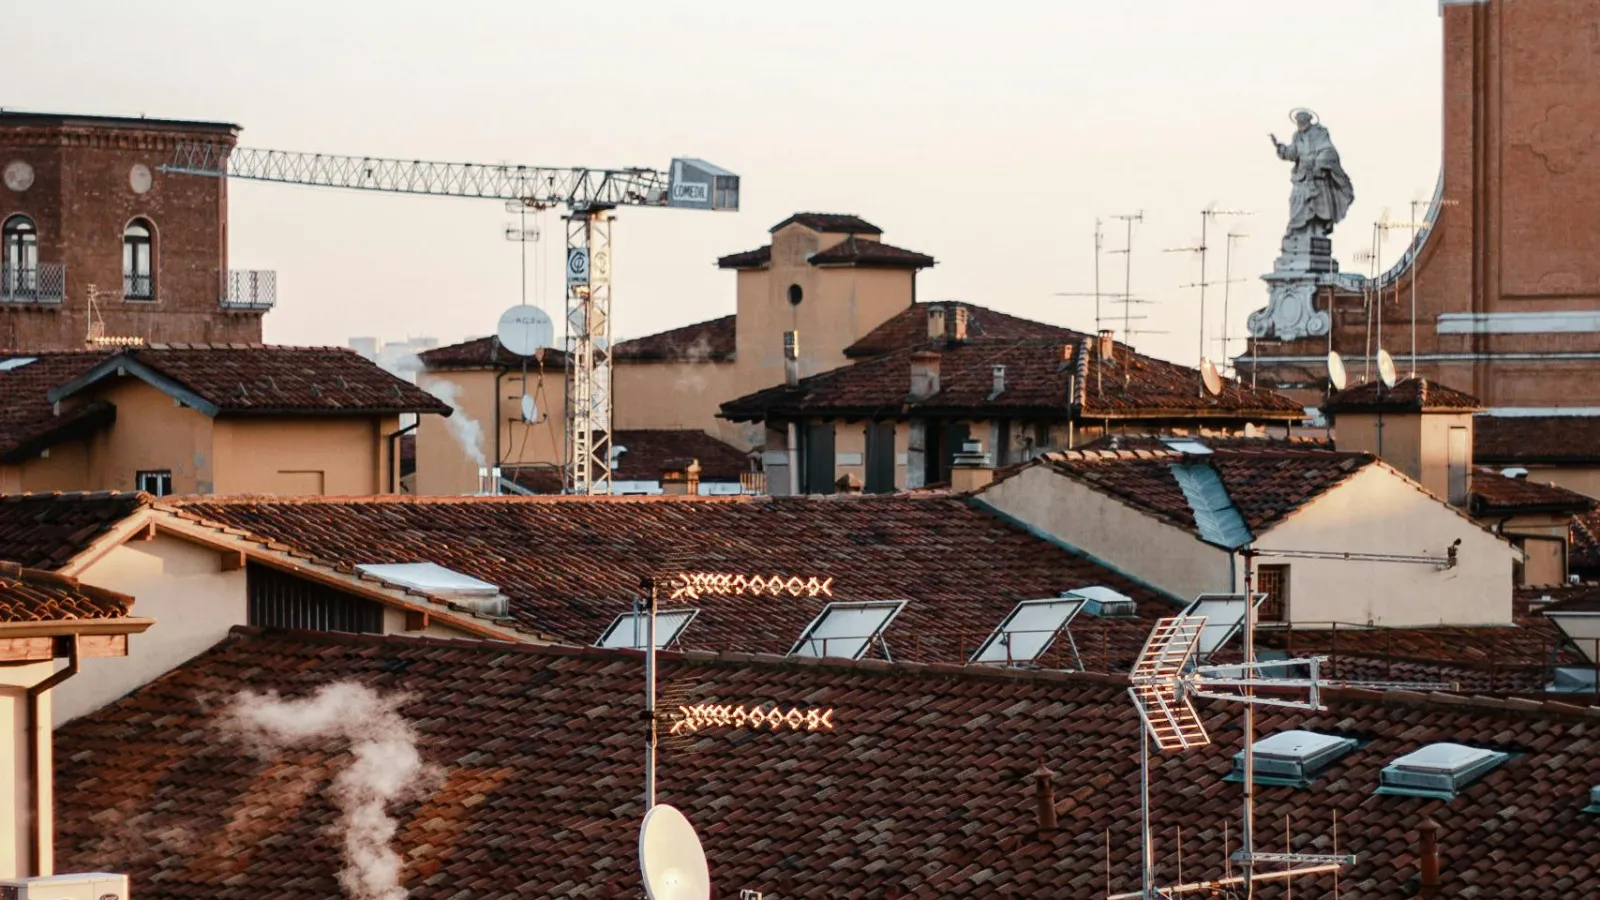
(589, 195)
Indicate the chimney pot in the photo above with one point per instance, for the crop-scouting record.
(1108, 344)
(999, 381)
(791, 358)
(1428, 856)
(681, 477)
(958, 324)
(924, 374)
(1044, 796)
(935, 323)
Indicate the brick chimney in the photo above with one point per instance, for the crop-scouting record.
(1428, 858)
(924, 374)
(1044, 800)
(970, 469)
(681, 477)
(958, 324)
(935, 323)
(791, 358)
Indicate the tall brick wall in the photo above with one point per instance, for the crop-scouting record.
(81, 200)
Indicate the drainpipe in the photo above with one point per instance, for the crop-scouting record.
(38, 840)
(394, 454)
(794, 459)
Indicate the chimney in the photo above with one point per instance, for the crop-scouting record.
(935, 323)
(1428, 857)
(970, 469)
(681, 477)
(848, 484)
(791, 358)
(924, 374)
(1044, 798)
(489, 481)
(999, 381)
(958, 324)
(1108, 344)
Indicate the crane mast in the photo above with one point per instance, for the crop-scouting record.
(589, 196)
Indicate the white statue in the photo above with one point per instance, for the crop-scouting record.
(1322, 191)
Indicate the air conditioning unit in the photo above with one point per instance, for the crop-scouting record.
(87, 886)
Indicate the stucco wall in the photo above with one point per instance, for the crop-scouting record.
(1375, 511)
(1159, 554)
(151, 433)
(64, 467)
(679, 395)
(302, 456)
(16, 814)
(181, 586)
(443, 466)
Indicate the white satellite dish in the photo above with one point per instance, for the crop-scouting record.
(670, 857)
(1211, 377)
(1336, 373)
(525, 329)
(530, 410)
(1386, 368)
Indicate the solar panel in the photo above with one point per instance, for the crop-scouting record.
(846, 630)
(629, 630)
(1224, 614)
(1028, 631)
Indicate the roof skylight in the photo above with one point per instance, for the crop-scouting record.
(629, 630)
(443, 584)
(1028, 631)
(1292, 757)
(1438, 770)
(846, 630)
(1103, 602)
(1594, 801)
(1191, 446)
(16, 362)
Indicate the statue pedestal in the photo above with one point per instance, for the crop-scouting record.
(1304, 253)
(1306, 264)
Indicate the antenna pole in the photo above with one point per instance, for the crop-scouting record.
(1099, 242)
(650, 700)
(1416, 252)
(1205, 222)
(1247, 825)
(1127, 276)
(1147, 852)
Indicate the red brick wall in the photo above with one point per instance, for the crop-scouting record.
(81, 199)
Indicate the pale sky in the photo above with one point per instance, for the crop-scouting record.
(988, 135)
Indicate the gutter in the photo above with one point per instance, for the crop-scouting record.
(40, 838)
(394, 455)
(75, 628)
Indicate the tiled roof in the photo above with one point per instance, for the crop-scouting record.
(1583, 556)
(908, 329)
(853, 251)
(1550, 440)
(246, 379)
(923, 789)
(1497, 494)
(1158, 442)
(1266, 485)
(485, 353)
(746, 259)
(31, 595)
(1040, 376)
(650, 451)
(711, 341)
(44, 531)
(27, 416)
(1581, 597)
(570, 565)
(1408, 395)
(830, 223)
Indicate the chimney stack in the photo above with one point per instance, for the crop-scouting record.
(681, 477)
(924, 374)
(958, 324)
(489, 480)
(1428, 857)
(791, 358)
(970, 469)
(935, 323)
(1108, 344)
(999, 381)
(1044, 798)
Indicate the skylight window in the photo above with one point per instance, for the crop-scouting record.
(15, 362)
(1029, 631)
(1292, 757)
(629, 630)
(1103, 602)
(1438, 771)
(1224, 617)
(441, 583)
(1187, 445)
(846, 630)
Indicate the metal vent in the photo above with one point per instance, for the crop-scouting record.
(1437, 770)
(1293, 757)
(1103, 602)
(1594, 801)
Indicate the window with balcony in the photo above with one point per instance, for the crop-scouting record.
(1273, 581)
(138, 257)
(19, 256)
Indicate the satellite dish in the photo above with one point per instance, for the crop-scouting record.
(1336, 373)
(530, 411)
(1386, 368)
(525, 329)
(1211, 377)
(670, 858)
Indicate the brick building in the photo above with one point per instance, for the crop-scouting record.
(1507, 279)
(83, 202)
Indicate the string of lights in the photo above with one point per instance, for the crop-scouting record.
(690, 719)
(694, 585)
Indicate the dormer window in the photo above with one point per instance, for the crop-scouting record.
(138, 257)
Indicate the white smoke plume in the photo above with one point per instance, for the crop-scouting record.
(465, 429)
(385, 769)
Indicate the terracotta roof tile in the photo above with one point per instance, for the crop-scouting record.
(485, 353)
(908, 329)
(853, 251)
(746, 259)
(1550, 440)
(44, 531)
(31, 595)
(711, 341)
(830, 223)
(27, 416)
(924, 786)
(1584, 553)
(1497, 494)
(650, 450)
(243, 379)
(1408, 395)
(964, 568)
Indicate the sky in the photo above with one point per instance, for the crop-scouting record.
(991, 137)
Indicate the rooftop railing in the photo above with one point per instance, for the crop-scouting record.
(38, 283)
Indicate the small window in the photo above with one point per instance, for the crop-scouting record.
(846, 630)
(1272, 582)
(796, 295)
(19, 256)
(138, 254)
(156, 482)
(628, 630)
(1028, 631)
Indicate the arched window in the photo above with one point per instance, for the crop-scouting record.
(19, 255)
(138, 256)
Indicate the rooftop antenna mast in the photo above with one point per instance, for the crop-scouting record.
(1130, 220)
(1234, 237)
(1203, 248)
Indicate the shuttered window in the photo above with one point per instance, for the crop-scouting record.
(280, 600)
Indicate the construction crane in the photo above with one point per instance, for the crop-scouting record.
(589, 195)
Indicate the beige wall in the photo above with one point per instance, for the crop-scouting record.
(1161, 555)
(1543, 541)
(1418, 445)
(1583, 479)
(151, 432)
(443, 464)
(1584, 630)
(16, 814)
(303, 456)
(1377, 512)
(680, 395)
(64, 467)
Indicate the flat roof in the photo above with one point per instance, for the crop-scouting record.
(18, 117)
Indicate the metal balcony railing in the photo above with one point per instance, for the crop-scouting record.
(138, 287)
(249, 289)
(39, 283)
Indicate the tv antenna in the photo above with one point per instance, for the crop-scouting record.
(1127, 300)
(670, 857)
(1203, 248)
(1234, 237)
(1098, 294)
